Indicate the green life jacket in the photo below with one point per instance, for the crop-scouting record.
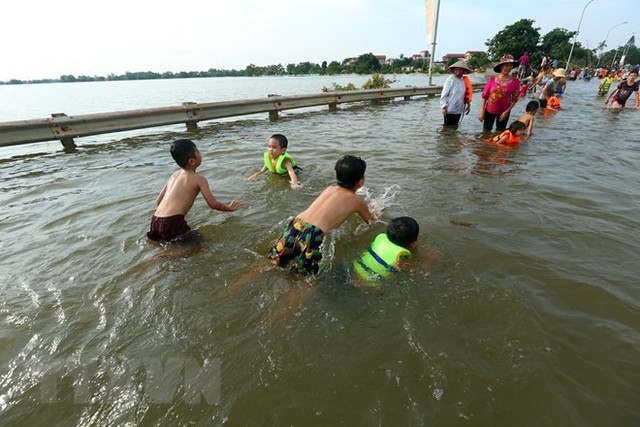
(275, 166)
(381, 259)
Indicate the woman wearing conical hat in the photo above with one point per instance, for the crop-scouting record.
(456, 94)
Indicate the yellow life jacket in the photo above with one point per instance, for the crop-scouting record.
(275, 166)
(381, 259)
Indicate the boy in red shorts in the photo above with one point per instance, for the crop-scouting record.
(178, 194)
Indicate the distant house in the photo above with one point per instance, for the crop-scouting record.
(382, 59)
(449, 56)
(422, 56)
(473, 52)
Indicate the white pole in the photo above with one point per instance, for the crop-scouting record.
(604, 43)
(577, 32)
(433, 44)
(625, 46)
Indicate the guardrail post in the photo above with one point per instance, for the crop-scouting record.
(273, 114)
(192, 125)
(68, 144)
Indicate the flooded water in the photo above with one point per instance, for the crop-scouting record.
(529, 316)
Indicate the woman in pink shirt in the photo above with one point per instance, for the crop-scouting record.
(499, 95)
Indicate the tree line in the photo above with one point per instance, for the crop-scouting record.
(366, 63)
(514, 39)
(522, 36)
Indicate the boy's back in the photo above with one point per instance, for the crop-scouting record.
(299, 246)
(333, 206)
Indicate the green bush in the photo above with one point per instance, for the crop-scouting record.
(378, 81)
(336, 87)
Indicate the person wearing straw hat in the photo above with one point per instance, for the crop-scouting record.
(455, 99)
(499, 95)
(551, 86)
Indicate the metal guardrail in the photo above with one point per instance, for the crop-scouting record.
(65, 128)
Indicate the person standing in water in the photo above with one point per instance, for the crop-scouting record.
(499, 95)
(455, 98)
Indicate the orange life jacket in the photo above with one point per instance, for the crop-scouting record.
(554, 103)
(512, 139)
(468, 96)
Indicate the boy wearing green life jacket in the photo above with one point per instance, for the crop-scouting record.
(278, 161)
(387, 249)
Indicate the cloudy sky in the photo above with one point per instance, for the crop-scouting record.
(46, 39)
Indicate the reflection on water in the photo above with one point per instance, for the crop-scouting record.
(533, 302)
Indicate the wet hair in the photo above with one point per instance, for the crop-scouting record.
(182, 150)
(282, 140)
(516, 126)
(532, 106)
(349, 170)
(403, 231)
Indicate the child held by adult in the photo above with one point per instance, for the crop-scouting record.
(277, 160)
(176, 198)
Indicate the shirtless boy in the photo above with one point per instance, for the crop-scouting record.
(530, 116)
(178, 194)
(299, 247)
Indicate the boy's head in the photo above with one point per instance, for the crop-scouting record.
(517, 127)
(532, 106)
(403, 231)
(277, 145)
(349, 171)
(182, 150)
(282, 140)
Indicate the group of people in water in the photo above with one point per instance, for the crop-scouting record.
(502, 91)
(299, 248)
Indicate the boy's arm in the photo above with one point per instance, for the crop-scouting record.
(365, 211)
(203, 185)
(530, 127)
(261, 171)
(503, 139)
(162, 193)
(606, 101)
(292, 174)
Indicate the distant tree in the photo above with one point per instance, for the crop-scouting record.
(557, 43)
(514, 39)
(334, 67)
(450, 62)
(478, 61)
(251, 70)
(366, 64)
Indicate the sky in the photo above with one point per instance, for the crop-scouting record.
(47, 39)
